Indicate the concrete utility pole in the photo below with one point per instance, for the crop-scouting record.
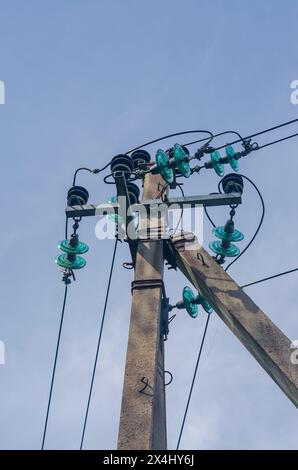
(261, 337)
(143, 411)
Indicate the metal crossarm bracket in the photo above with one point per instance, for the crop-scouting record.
(176, 202)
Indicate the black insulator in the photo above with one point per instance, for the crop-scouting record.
(140, 157)
(77, 196)
(232, 183)
(134, 193)
(122, 163)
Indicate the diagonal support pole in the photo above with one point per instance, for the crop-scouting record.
(261, 337)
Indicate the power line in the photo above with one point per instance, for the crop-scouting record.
(276, 141)
(172, 135)
(216, 135)
(270, 277)
(259, 225)
(98, 343)
(54, 368)
(95, 171)
(246, 137)
(264, 132)
(208, 217)
(193, 382)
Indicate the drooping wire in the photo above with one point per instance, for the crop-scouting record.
(208, 217)
(54, 367)
(95, 171)
(98, 343)
(207, 214)
(193, 382)
(270, 277)
(172, 135)
(259, 225)
(215, 135)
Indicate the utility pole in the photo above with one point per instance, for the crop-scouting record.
(143, 411)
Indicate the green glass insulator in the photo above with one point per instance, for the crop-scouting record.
(235, 236)
(181, 160)
(188, 301)
(116, 218)
(230, 153)
(216, 247)
(217, 165)
(79, 249)
(206, 306)
(64, 262)
(162, 161)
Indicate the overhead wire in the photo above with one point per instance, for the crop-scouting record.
(259, 225)
(270, 277)
(54, 367)
(95, 171)
(99, 343)
(264, 132)
(172, 135)
(214, 136)
(193, 382)
(277, 141)
(270, 129)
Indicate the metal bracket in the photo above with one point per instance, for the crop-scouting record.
(164, 313)
(147, 284)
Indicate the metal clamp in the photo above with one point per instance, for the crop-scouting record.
(148, 284)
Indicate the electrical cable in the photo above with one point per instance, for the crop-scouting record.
(277, 141)
(99, 342)
(247, 137)
(172, 135)
(207, 214)
(264, 132)
(208, 217)
(54, 367)
(270, 277)
(193, 382)
(95, 171)
(259, 225)
(216, 135)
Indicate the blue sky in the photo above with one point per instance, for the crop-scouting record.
(85, 81)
